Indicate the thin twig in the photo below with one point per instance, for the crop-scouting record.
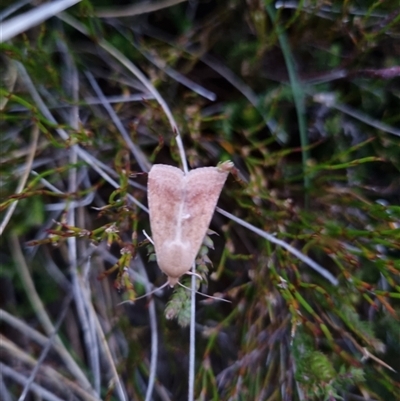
(192, 348)
(153, 328)
(103, 342)
(78, 287)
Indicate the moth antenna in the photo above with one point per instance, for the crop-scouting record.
(205, 295)
(145, 295)
(148, 237)
(194, 274)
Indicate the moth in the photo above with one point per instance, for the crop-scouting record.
(181, 207)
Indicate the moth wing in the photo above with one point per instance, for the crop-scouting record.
(202, 189)
(165, 196)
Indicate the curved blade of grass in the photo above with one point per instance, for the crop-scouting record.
(314, 265)
(297, 90)
(23, 22)
(139, 75)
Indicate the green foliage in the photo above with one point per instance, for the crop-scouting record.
(316, 373)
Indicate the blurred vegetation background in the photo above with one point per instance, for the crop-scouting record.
(304, 98)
